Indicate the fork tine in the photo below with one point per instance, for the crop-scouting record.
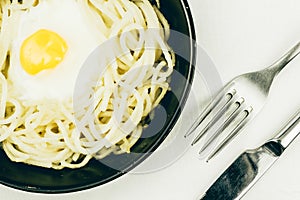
(217, 116)
(217, 100)
(231, 117)
(232, 134)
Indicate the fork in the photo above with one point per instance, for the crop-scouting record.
(236, 104)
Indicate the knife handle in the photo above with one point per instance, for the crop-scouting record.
(287, 135)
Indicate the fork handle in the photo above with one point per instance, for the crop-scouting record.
(284, 60)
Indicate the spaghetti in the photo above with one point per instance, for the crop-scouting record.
(50, 133)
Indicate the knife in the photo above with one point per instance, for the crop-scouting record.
(246, 170)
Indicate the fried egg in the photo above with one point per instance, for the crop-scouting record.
(53, 41)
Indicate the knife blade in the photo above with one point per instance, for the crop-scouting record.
(251, 165)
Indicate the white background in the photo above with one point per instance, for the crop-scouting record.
(239, 36)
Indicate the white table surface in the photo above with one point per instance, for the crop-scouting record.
(239, 36)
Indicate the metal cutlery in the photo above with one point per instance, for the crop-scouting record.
(239, 101)
(246, 170)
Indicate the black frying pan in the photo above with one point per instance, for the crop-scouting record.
(37, 179)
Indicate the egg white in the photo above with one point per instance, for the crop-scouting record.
(67, 19)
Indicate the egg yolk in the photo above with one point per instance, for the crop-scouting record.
(42, 50)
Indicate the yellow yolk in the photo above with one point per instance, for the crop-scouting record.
(42, 50)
